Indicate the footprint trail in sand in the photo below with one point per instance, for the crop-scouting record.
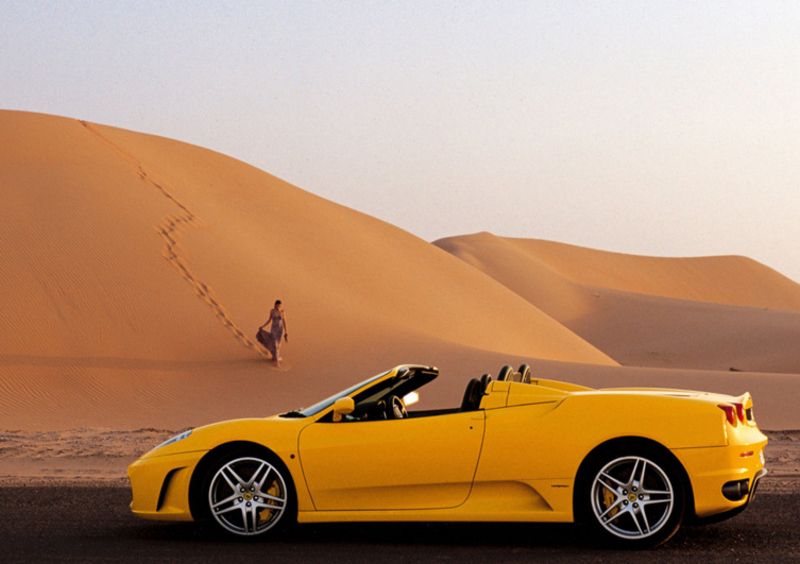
(169, 231)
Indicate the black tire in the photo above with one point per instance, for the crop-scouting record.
(249, 494)
(631, 497)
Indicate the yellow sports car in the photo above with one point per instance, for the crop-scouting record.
(631, 464)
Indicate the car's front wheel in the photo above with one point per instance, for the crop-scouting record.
(249, 495)
(633, 498)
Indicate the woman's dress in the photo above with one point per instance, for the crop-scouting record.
(274, 338)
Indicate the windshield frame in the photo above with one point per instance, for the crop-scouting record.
(327, 402)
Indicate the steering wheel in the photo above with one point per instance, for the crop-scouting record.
(395, 409)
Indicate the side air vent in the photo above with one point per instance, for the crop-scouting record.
(164, 487)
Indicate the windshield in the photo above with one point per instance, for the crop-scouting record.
(316, 408)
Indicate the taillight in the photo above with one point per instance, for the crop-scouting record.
(730, 413)
(739, 411)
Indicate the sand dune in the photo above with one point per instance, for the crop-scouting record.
(641, 330)
(732, 280)
(710, 313)
(136, 270)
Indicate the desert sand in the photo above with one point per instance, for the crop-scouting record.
(136, 270)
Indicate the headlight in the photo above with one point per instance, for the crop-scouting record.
(175, 439)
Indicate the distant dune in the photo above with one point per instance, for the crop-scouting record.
(709, 313)
(136, 270)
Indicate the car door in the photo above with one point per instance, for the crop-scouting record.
(415, 463)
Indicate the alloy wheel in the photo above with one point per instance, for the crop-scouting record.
(247, 496)
(632, 497)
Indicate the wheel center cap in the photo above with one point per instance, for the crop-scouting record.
(248, 496)
(632, 497)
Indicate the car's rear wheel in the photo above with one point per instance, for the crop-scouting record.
(633, 498)
(249, 495)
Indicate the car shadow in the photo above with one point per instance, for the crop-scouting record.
(340, 537)
(757, 530)
(487, 535)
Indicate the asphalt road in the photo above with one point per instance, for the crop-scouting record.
(93, 524)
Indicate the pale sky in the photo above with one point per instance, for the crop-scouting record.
(667, 128)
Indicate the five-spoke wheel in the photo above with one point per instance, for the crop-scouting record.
(635, 498)
(249, 495)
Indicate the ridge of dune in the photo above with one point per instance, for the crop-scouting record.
(731, 280)
(136, 270)
(709, 313)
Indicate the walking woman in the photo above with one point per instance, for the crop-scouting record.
(278, 332)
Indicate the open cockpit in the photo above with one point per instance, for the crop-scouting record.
(389, 396)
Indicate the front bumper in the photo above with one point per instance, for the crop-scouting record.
(161, 486)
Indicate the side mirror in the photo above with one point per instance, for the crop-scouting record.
(343, 406)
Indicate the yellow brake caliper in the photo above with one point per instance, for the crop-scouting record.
(266, 514)
(608, 500)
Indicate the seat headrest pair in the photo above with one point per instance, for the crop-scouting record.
(523, 375)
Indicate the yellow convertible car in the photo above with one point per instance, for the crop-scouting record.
(631, 464)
